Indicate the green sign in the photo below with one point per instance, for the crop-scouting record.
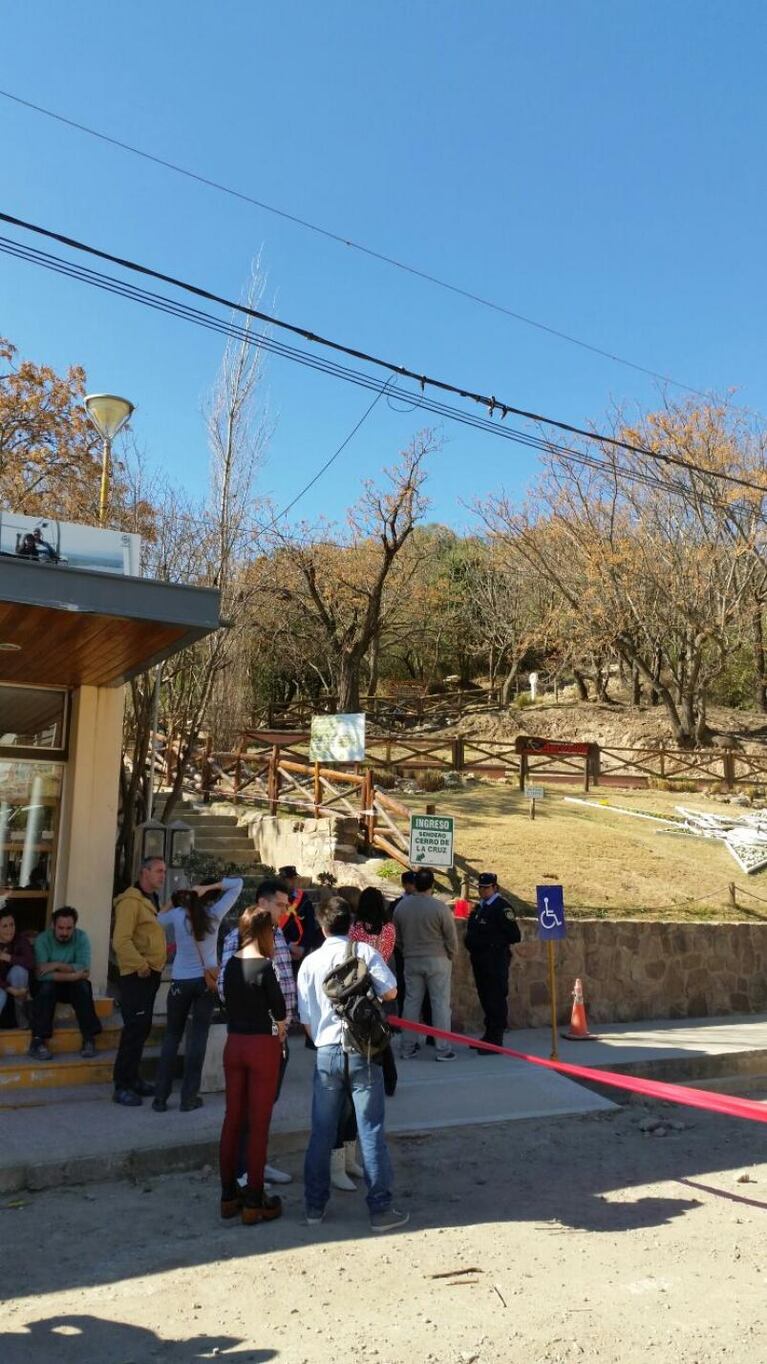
(431, 840)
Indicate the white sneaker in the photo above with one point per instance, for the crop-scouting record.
(276, 1176)
(446, 1056)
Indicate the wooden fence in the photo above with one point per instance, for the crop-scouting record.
(383, 712)
(276, 777)
(243, 774)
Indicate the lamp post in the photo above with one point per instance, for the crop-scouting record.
(109, 415)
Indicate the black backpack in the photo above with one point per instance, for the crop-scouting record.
(349, 987)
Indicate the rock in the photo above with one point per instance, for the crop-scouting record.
(649, 1124)
(746, 1179)
(660, 1131)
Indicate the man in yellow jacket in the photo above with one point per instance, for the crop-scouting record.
(140, 948)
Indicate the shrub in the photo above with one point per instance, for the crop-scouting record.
(203, 868)
(389, 871)
(430, 779)
(384, 778)
(524, 700)
(326, 878)
(678, 784)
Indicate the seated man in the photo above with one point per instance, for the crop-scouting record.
(63, 960)
(17, 962)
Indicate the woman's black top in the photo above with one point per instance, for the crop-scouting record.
(253, 995)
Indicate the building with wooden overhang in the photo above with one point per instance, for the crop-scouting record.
(69, 639)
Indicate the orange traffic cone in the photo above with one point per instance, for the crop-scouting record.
(579, 1027)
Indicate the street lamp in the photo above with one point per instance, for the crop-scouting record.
(109, 415)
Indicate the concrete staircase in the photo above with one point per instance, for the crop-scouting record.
(20, 1074)
(218, 835)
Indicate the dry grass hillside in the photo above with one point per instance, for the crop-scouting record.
(609, 864)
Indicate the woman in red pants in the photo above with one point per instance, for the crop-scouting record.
(256, 1026)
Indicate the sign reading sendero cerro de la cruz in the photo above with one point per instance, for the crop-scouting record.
(431, 840)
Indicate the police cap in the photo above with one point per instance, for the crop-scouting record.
(487, 878)
(288, 871)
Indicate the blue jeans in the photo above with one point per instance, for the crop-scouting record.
(18, 978)
(338, 1076)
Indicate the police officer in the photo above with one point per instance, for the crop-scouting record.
(491, 929)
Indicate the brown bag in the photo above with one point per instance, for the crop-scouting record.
(209, 972)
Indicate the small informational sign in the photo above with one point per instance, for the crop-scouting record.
(431, 840)
(337, 739)
(551, 913)
(534, 792)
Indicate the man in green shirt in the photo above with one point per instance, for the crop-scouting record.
(63, 966)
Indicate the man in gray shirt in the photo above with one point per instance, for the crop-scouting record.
(427, 939)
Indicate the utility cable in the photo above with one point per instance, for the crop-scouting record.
(324, 467)
(492, 403)
(348, 242)
(232, 330)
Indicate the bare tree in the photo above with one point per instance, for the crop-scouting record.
(344, 588)
(651, 570)
(205, 544)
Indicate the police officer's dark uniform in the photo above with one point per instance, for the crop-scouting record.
(491, 930)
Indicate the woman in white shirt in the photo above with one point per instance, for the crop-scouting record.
(195, 916)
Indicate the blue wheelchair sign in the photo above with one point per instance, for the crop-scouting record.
(551, 913)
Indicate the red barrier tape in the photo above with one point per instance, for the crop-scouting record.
(727, 1104)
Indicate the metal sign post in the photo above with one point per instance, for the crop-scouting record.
(551, 928)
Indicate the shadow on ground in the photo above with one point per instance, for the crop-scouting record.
(597, 1173)
(59, 1340)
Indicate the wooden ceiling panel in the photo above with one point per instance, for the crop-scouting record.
(73, 627)
(69, 649)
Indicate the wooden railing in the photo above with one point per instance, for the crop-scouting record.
(385, 712)
(276, 777)
(273, 768)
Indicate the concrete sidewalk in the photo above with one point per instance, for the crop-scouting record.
(81, 1136)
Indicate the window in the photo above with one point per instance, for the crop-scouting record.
(33, 717)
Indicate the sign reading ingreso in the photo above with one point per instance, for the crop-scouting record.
(431, 840)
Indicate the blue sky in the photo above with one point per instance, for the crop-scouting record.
(596, 166)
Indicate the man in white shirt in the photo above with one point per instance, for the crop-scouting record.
(339, 1074)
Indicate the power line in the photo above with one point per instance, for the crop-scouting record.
(232, 330)
(425, 381)
(348, 242)
(324, 467)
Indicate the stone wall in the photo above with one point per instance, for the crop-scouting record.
(312, 845)
(630, 969)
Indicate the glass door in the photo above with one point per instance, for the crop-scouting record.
(30, 802)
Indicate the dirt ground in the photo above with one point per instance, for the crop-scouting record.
(610, 865)
(580, 1238)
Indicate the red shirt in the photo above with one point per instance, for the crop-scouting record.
(383, 942)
